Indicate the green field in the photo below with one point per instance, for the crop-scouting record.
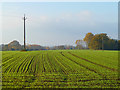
(60, 69)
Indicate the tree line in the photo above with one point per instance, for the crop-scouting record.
(99, 42)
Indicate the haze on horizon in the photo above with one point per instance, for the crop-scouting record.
(58, 23)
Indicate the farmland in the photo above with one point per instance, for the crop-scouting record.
(60, 69)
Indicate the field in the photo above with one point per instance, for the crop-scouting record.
(60, 69)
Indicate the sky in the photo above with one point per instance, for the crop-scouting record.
(58, 23)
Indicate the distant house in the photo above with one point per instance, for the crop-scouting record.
(34, 47)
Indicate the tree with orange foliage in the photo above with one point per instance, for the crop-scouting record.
(88, 37)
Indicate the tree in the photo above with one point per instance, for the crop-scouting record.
(5, 47)
(14, 45)
(88, 38)
(110, 44)
(99, 41)
(118, 44)
(80, 44)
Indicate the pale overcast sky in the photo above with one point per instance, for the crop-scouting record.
(59, 23)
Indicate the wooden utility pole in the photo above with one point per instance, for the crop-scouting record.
(24, 18)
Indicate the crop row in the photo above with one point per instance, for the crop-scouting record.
(59, 69)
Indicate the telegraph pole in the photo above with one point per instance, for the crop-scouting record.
(24, 18)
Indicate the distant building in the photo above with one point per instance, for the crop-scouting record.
(34, 47)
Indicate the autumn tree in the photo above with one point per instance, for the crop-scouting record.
(99, 41)
(80, 44)
(88, 38)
